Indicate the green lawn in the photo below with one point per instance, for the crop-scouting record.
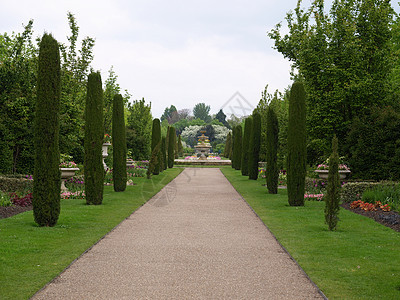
(361, 260)
(31, 256)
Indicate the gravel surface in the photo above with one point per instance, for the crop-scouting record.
(196, 239)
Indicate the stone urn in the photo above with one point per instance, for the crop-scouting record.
(66, 173)
(105, 154)
(323, 174)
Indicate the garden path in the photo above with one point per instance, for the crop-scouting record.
(196, 239)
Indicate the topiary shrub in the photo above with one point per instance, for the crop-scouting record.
(296, 160)
(272, 170)
(332, 196)
(254, 146)
(47, 176)
(228, 145)
(180, 147)
(94, 135)
(171, 147)
(156, 141)
(245, 146)
(238, 147)
(119, 144)
(164, 153)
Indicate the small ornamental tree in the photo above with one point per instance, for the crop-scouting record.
(296, 159)
(245, 146)
(171, 147)
(254, 146)
(155, 155)
(228, 145)
(164, 153)
(272, 170)
(332, 198)
(238, 147)
(155, 141)
(180, 147)
(94, 135)
(119, 144)
(47, 182)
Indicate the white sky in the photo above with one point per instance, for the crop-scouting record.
(172, 52)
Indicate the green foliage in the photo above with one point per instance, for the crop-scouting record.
(170, 114)
(138, 132)
(386, 193)
(155, 142)
(296, 161)
(332, 197)
(202, 111)
(94, 135)
(12, 184)
(154, 160)
(245, 147)
(119, 144)
(180, 147)
(272, 171)
(221, 117)
(47, 181)
(238, 148)
(171, 147)
(345, 59)
(374, 145)
(254, 146)
(164, 153)
(228, 145)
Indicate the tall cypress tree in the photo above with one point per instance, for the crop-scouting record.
(47, 182)
(245, 146)
(254, 146)
(164, 152)
(180, 147)
(332, 198)
(232, 153)
(238, 147)
(296, 142)
(94, 135)
(228, 145)
(272, 170)
(156, 140)
(171, 147)
(119, 144)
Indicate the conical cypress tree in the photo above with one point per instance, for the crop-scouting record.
(164, 153)
(171, 147)
(245, 146)
(176, 148)
(119, 144)
(232, 153)
(47, 182)
(296, 143)
(254, 146)
(166, 144)
(155, 140)
(180, 147)
(228, 145)
(272, 170)
(238, 148)
(94, 135)
(332, 198)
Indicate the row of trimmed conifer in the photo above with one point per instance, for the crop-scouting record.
(47, 177)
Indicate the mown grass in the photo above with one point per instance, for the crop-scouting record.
(361, 260)
(31, 256)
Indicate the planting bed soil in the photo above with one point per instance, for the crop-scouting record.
(9, 211)
(387, 218)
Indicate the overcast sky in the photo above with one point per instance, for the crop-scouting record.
(178, 52)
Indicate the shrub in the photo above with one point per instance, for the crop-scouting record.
(15, 184)
(164, 153)
(387, 194)
(180, 147)
(353, 191)
(272, 171)
(119, 144)
(5, 200)
(155, 142)
(245, 147)
(47, 183)
(254, 146)
(94, 135)
(296, 160)
(333, 190)
(24, 200)
(171, 147)
(238, 148)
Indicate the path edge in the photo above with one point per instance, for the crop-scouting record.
(279, 243)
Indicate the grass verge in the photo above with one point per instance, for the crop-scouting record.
(31, 256)
(358, 261)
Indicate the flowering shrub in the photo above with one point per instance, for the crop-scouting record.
(369, 206)
(73, 195)
(75, 183)
(136, 171)
(24, 200)
(316, 197)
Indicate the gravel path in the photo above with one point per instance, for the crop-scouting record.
(196, 239)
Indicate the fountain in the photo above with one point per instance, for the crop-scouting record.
(203, 146)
